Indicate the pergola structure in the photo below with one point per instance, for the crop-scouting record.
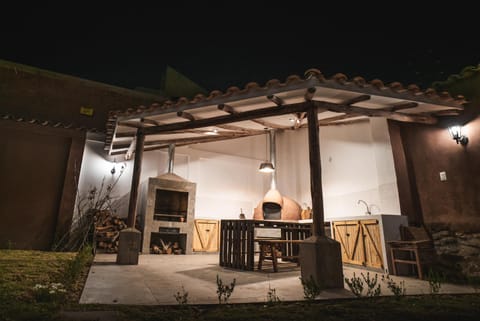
(298, 102)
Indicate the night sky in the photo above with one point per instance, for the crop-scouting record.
(132, 50)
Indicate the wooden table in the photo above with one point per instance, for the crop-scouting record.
(237, 240)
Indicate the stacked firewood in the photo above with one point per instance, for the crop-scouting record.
(107, 230)
(166, 248)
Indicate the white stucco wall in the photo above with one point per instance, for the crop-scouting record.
(357, 163)
(225, 184)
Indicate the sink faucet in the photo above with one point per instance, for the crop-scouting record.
(366, 205)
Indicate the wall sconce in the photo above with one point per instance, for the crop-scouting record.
(456, 133)
(114, 170)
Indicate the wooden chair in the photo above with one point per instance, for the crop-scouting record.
(417, 248)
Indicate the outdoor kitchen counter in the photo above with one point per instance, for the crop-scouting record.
(371, 249)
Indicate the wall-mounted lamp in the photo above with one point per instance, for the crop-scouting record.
(456, 132)
(114, 170)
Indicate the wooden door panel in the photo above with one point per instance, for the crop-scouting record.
(205, 236)
(348, 234)
(372, 241)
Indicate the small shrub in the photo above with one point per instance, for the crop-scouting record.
(181, 297)
(435, 281)
(51, 292)
(310, 288)
(355, 284)
(272, 297)
(398, 290)
(224, 291)
(373, 288)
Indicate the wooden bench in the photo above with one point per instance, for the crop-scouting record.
(268, 251)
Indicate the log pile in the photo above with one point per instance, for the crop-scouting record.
(107, 230)
(166, 248)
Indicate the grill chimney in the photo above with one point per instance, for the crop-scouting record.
(273, 184)
(171, 157)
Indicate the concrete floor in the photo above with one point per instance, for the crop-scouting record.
(156, 279)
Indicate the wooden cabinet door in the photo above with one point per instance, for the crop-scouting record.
(360, 242)
(372, 242)
(348, 233)
(206, 236)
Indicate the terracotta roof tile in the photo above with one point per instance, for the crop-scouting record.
(312, 77)
(313, 73)
(292, 79)
(272, 83)
(48, 123)
(359, 81)
(252, 86)
(397, 86)
(340, 78)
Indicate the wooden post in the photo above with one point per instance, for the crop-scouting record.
(320, 256)
(130, 238)
(315, 172)
(137, 169)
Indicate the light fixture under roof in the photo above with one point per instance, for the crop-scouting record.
(212, 132)
(266, 167)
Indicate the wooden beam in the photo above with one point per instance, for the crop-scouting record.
(329, 120)
(131, 148)
(425, 119)
(124, 134)
(400, 106)
(150, 121)
(231, 110)
(276, 100)
(231, 118)
(447, 112)
(185, 115)
(159, 144)
(137, 169)
(315, 171)
(186, 143)
(310, 93)
(227, 108)
(132, 123)
(356, 99)
(346, 122)
(200, 138)
(191, 141)
(191, 117)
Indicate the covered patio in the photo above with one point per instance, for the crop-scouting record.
(309, 102)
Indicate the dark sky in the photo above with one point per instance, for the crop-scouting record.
(132, 50)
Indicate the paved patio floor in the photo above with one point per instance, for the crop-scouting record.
(156, 279)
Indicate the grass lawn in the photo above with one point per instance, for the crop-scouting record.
(20, 271)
